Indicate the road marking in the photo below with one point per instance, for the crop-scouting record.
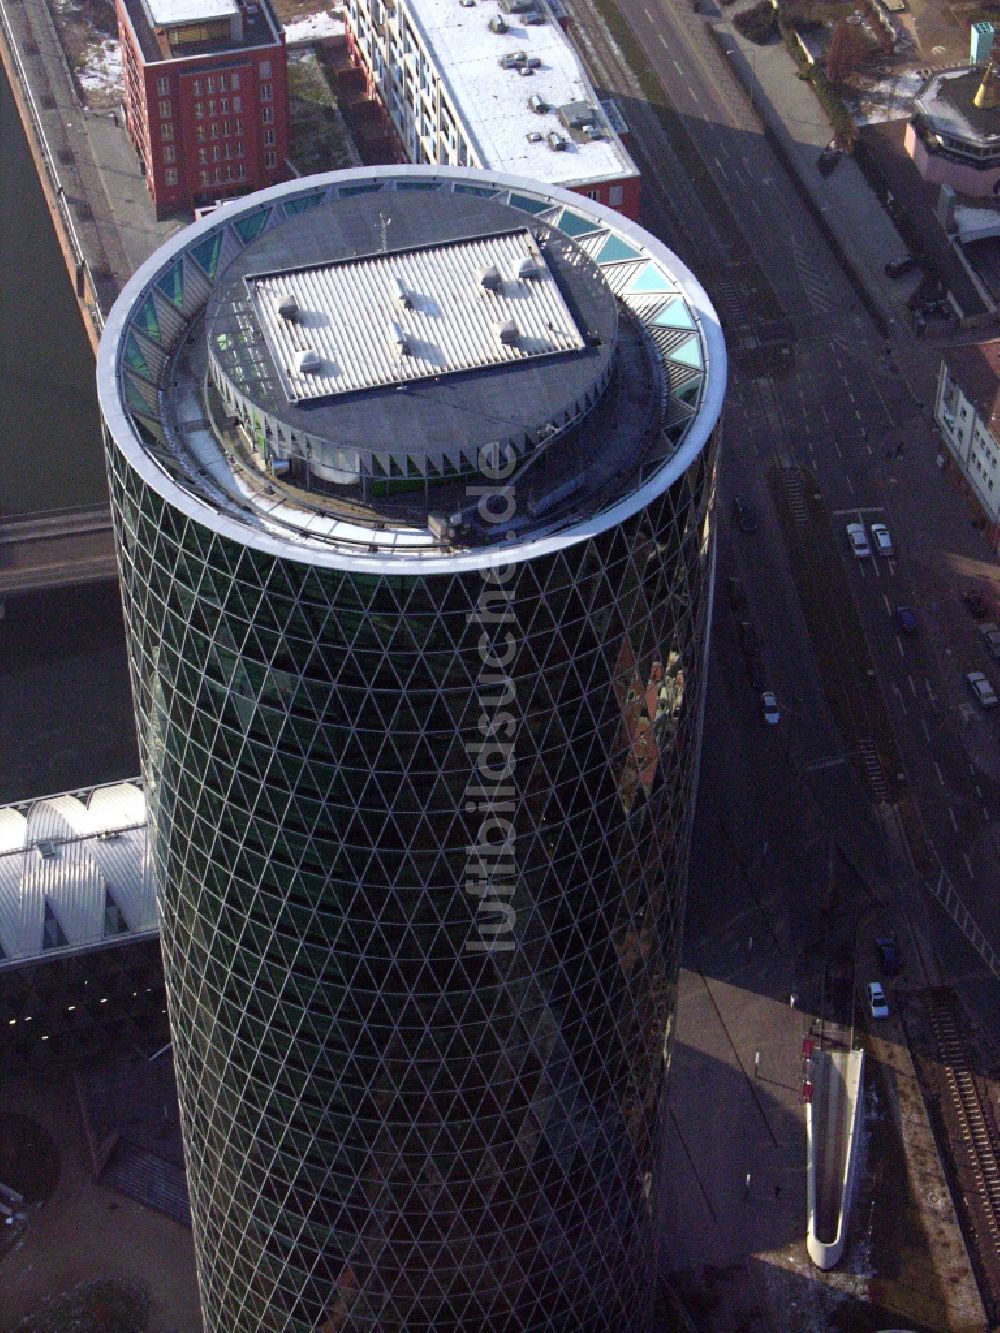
(930, 693)
(888, 608)
(847, 478)
(648, 15)
(899, 696)
(676, 65)
(837, 447)
(722, 169)
(855, 509)
(968, 864)
(979, 791)
(954, 821)
(940, 775)
(986, 814)
(913, 688)
(869, 448)
(927, 730)
(818, 765)
(899, 645)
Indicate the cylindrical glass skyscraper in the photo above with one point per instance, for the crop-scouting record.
(412, 474)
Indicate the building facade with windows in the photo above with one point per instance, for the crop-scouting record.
(412, 472)
(205, 97)
(496, 85)
(967, 415)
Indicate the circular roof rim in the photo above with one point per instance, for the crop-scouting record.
(117, 420)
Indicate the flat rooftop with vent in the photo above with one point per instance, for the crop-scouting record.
(172, 29)
(337, 363)
(495, 84)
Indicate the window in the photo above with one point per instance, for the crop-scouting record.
(237, 103)
(168, 153)
(264, 69)
(213, 129)
(223, 83)
(615, 195)
(203, 177)
(241, 170)
(170, 175)
(227, 151)
(223, 106)
(200, 133)
(265, 92)
(269, 138)
(162, 87)
(270, 160)
(240, 148)
(211, 107)
(267, 114)
(215, 152)
(203, 155)
(198, 89)
(239, 127)
(210, 85)
(165, 112)
(199, 110)
(234, 82)
(167, 131)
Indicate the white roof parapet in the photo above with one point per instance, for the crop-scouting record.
(65, 862)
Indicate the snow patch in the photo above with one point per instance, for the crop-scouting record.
(102, 70)
(314, 28)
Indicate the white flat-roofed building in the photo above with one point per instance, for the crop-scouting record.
(494, 84)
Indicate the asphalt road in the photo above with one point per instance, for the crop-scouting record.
(835, 403)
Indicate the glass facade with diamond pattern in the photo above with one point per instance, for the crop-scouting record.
(421, 991)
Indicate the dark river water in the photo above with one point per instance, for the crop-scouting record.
(50, 442)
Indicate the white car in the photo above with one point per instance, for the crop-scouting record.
(769, 707)
(877, 1002)
(858, 538)
(982, 690)
(881, 540)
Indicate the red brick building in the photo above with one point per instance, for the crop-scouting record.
(205, 96)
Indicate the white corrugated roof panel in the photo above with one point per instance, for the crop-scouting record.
(351, 316)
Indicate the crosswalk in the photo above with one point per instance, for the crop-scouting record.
(871, 767)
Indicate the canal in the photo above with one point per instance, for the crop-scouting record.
(65, 705)
(50, 440)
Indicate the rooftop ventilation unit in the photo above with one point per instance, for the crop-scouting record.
(403, 297)
(512, 59)
(497, 25)
(490, 278)
(525, 70)
(578, 115)
(516, 6)
(288, 308)
(400, 340)
(535, 18)
(308, 362)
(534, 136)
(507, 330)
(467, 4)
(528, 268)
(593, 132)
(556, 141)
(537, 104)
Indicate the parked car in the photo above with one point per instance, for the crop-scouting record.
(744, 515)
(898, 268)
(888, 956)
(769, 708)
(858, 538)
(975, 604)
(991, 637)
(881, 540)
(982, 690)
(827, 161)
(877, 1003)
(906, 620)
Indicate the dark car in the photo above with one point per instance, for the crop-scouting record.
(888, 956)
(748, 638)
(906, 620)
(744, 515)
(898, 268)
(975, 604)
(828, 159)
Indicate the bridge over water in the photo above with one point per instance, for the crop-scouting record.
(56, 550)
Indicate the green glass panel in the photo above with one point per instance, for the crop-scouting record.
(574, 225)
(206, 254)
(675, 315)
(614, 251)
(134, 358)
(172, 285)
(249, 228)
(302, 205)
(689, 353)
(145, 318)
(527, 205)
